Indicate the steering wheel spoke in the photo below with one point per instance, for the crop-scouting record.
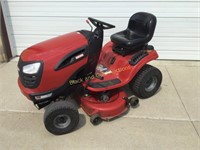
(102, 24)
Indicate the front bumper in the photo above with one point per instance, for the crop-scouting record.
(34, 94)
(25, 91)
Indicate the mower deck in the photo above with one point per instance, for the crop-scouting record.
(115, 106)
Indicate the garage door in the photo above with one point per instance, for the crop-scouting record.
(177, 34)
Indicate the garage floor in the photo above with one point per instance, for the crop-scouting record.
(170, 120)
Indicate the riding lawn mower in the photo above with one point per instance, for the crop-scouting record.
(74, 70)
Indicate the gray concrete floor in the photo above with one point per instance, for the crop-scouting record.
(170, 120)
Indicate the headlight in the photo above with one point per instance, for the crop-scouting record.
(31, 68)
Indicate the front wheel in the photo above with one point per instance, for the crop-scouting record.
(146, 82)
(61, 117)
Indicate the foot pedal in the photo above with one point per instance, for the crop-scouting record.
(137, 57)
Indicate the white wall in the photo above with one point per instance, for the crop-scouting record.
(177, 34)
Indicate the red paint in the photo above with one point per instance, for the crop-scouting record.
(53, 50)
(120, 62)
(114, 107)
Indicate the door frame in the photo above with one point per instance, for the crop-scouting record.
(7, 49)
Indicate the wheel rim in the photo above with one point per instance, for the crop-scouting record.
(151, 84)
(62, 121)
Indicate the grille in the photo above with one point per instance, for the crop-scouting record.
(29, 80)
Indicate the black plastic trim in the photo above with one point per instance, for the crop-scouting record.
(64, 90)
(87, 34)
(126, 51)
(104, 83)
(112, 60)
(94, 50)
(70, 59)
(137, 57)
(25, 78)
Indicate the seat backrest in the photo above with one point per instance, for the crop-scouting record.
(142, 24)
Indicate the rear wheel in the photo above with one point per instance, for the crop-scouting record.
(61, 117)
(146, 82)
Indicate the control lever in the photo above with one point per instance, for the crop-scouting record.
(88, 22)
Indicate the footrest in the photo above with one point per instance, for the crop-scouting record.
(137, 57)
(104, 83)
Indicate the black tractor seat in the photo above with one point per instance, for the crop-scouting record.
(139, 32)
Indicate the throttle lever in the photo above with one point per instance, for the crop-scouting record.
(88, 22)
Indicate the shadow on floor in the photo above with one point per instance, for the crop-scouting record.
(82, 121)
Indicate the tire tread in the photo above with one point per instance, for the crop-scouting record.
(59, 105)
(137, 80)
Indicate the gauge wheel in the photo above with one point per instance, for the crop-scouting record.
(61, 117)
(146, 82)
(134, 102)
(95, 119)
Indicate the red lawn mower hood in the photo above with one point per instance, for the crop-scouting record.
(57, 46)
(50, 54)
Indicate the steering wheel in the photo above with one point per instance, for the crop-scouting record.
(102, 24)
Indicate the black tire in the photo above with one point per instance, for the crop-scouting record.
(95, 119)
(61, 117)
(146, 82)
